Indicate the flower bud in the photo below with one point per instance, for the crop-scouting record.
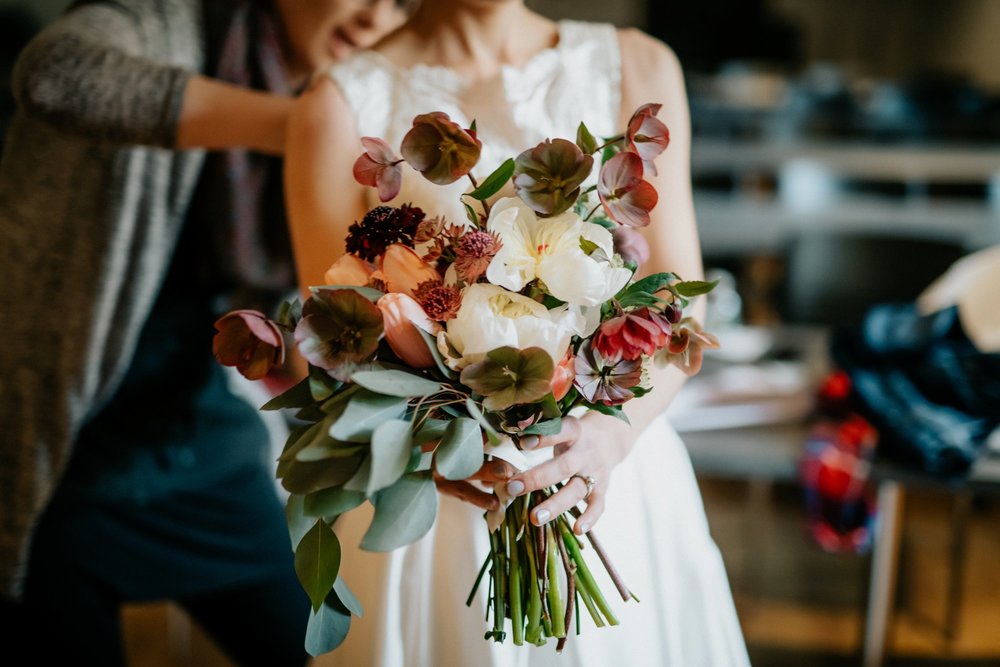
(402, 270)
(348, 270)
(402, 318)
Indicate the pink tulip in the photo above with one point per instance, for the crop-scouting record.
(402, 270)
(403, 318)
(349, 270)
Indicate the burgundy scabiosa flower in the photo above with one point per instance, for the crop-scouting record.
(381, 227)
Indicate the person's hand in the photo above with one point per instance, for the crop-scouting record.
(492, 472)
(590, 447)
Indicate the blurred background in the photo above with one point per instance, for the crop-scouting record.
(845, 153)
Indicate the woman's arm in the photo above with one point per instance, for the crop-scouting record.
(97, 72)
(596, 444)
(322, 197)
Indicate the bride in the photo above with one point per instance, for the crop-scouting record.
(522, 78)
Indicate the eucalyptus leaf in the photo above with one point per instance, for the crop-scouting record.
(299, 522)
(364, 412)
(476, 413)
(359, 480)
(392, 443)
(690, 288)
(298, 396)
(396, 383)
(460, 453)
(328, 448)
(431, 429)
(309, 477)
(331, 502)
(321, 385)
(404, 513)
(317, 561)
(289, 314)
(431, 342)
(327, 628)
(495, 181)
(546, 427)
(302, 438)
(585, 140)
(347, 598)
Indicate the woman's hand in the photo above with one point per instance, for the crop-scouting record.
(492, 472)
(588, 447)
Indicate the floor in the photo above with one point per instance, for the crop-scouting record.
(799, 606)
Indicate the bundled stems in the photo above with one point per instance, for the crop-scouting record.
(608, 565)
(527, 566)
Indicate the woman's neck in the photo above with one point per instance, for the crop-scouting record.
(473, 37)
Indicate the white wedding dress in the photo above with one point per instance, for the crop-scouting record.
(654, 528)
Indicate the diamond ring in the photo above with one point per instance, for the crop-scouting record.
(590, 481)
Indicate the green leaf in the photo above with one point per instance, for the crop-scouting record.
(492, 184)
(306, 477)
(404, 513)
(611, 410)
(321, 385)
(480, 417)
(347, 598)
(396, 383)
(327, 449)
(547, 427)
(317, 561)
(431, 342)
(588, 246)
(365, 411)
(359, 481)
(298, 396)
(301, 438)
(392, 443)
(431, 429)
(331, 502)
(460, 453)
(327, 628)
(690, 288)
(298, 521)
(550, 407)
(289, 314)
(585, 140)
(471, 214)
(650, 284)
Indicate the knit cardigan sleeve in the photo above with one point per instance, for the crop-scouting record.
(92, 72)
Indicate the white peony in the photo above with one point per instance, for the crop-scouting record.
(492, 317)
(549, 249)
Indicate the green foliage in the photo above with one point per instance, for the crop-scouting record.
(404, 513)
(460, 453)
(396, 383)
(495, 181)
(364, 412)
(585, 140)
(331, 502)
(317, 561)
(392, 444)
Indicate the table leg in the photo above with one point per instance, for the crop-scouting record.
(882, 586)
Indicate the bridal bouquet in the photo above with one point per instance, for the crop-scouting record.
(437, 344)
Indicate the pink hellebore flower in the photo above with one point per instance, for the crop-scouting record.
(688, 341)
(647, 136)
(378, 167)
(626, 197)
(349, 270)
(440, 149)
(402, 270)
(249, 341)
(402, 317)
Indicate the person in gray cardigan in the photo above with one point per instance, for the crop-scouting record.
(128, 470)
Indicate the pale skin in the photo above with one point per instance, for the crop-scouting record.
(219, 115)
(476, 37)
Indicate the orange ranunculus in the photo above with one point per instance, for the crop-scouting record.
(562, 376)
(402, 270)
(402, 317)
(348, 270)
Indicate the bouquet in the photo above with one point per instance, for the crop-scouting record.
(437, 344)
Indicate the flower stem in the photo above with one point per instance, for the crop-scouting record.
(534, 632)
(499, 567)
(570, 569)
(556, 612)
(609, 142)
(586, 578)
(514, 585)
(608, 565)
(592, 211)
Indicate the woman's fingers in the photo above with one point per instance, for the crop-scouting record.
(595, 508)
(569, 432)
(468, 492)
(546, 474)
(495, 471)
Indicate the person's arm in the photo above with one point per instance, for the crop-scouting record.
(322, 198)
(595, 444)
(93, 72)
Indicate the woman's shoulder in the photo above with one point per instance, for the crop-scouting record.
(650, 71)
(646, 53)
